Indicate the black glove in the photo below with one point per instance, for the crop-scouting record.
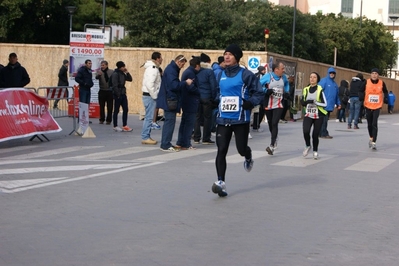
(247, 105)
(269, 92)
(287, 96)
(386, 100)
(309, 101)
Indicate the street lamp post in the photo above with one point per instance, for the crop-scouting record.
(71, 10)
(293, 31)
(393, 18)
(266, 31)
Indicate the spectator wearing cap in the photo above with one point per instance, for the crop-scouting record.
(85, 80)
(374, 93)
(62, 78)
(276, 88)
(330, 89)
(13, 75)
(207, 88)
(356, 84)
(118, 80)
(238, 91)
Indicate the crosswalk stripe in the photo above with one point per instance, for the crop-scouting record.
(170, 156)
(65, 180)
(114, 153)
(64, 168)
(51, 152)
(18, 148)
(304, 161)
(370, 165)
(237, 158)
(11, 184)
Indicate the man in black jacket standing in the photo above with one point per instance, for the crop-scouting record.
(84, 78)
(62, 78)
(13, 75)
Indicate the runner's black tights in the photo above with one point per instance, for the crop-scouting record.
(223, 137)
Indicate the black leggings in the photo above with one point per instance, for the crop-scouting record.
(372, 122)
(306, 126)
(273, 117)
(223, 138)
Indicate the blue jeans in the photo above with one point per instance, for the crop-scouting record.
(121, 101)
(149, 105)
(354, 111)
(168, 129)
(84, 96)
(324, 131)
(186, 129)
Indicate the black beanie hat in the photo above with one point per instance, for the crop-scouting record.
(120, 64)
(375, 70)
(220, 59)
(205, 58)
(235, 50)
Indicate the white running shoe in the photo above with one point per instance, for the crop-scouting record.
(219, 187)
(249, 136)
(315, 155)
(373, 146)
(118, 129)
(270, 150)
(306, 151)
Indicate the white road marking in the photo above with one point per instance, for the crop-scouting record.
(11, 184)
(170, 156)
(237, 158)
(63, 168)
(78, 178)
(18, 148)
(110, 154)
(51, 152)
(370, 165)
(304, 161)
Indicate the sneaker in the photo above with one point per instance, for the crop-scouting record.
(315, 155)
(108, 123)
(188, 148)
(127, 129)
(370, 142)
(196, 141)
(349, 126)
(155, 126)
(170, 149)
(283, 121)
(355, 127)
(149, 141)
(306, 151)
(257, 130)
(249, 136)
(337, 120)
(207, 142)
(219, 187)
(373, 146)
(118, 129)
(270, 150)
(248, 164)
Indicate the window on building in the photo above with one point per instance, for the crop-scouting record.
(347, 6)
(393, 7)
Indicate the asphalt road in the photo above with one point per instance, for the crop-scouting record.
(109, 200)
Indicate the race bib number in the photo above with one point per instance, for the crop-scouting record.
(278, 92)
(373, 98)
(311, 110)
(230, 103)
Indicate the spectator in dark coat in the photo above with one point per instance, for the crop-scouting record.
(343, 94)
(13, 75)
(62, 78)
(84, 78)
(190, 102)
(171, 90)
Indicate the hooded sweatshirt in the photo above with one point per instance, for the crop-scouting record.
(330, 89)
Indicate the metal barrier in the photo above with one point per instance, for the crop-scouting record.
(59, 100)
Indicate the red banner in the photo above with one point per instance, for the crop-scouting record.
(23, 113)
